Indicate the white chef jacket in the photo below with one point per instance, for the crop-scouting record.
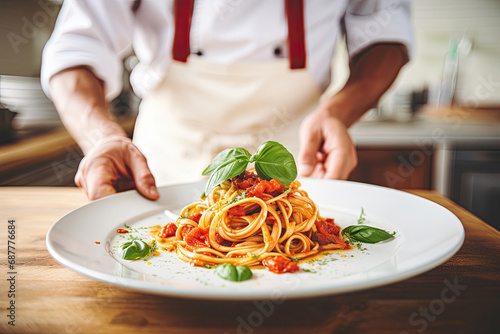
(99, 33)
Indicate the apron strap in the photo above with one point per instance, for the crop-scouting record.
(183, 12)
(135, 6)
(296, 39)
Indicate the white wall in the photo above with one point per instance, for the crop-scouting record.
(435, 22)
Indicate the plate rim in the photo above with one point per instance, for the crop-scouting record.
(159, 289)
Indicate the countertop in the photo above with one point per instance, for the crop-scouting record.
(426, 132)
(459, 296)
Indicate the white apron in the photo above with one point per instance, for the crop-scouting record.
(202, 107)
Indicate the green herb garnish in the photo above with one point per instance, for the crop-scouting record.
(255, 256)
(208, 266)
(233, 273)
(135, 250)
(272, 161)
(294, 259)
(361, 219)
(365, 233)
(238, 198)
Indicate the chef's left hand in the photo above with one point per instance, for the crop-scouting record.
(326, 148)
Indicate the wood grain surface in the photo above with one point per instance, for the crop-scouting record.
(460, 296)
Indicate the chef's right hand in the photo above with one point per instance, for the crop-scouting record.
(115, 164)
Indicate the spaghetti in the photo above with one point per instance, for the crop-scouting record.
(249, 221)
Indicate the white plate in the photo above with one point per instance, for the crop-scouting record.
(426, 235)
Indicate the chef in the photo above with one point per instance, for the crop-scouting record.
(214, 74)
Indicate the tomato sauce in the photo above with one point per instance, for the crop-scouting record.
(273, 188)
(237, 211)
(328, 233)
(198, 237)
(195, 217)
(223, 242)
(280, 265)
(256, 187)
(168, 230)
(246, 180)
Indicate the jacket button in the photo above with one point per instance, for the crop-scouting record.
(277, 51)
(199, 53)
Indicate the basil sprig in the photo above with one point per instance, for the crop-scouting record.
(134, 250)
(272, 161)
(230, 272)
(365, 233)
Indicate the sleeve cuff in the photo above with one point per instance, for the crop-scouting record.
(390, 24)
(76, 50)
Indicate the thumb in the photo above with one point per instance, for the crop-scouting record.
(310, 142)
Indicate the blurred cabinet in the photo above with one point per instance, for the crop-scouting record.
(46, 159)
(475, 181)
(57, 171)
(394, 167)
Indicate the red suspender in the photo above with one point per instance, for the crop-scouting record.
(296, 40)
(183, 12)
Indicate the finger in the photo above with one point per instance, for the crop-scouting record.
(310, 142)
(335, 166)
(99, 180)
(319, 170)
(143, 178)
(339, 164)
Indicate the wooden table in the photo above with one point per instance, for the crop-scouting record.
(460, 296)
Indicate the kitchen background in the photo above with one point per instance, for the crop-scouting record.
(437, 128)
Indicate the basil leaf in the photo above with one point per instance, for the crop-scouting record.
(233, 273)
(224, 173)
(273, 161)
(244, 273)
(134, 250)
(236, 161)
(225, 156)
(227, 271)
(364, 233)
